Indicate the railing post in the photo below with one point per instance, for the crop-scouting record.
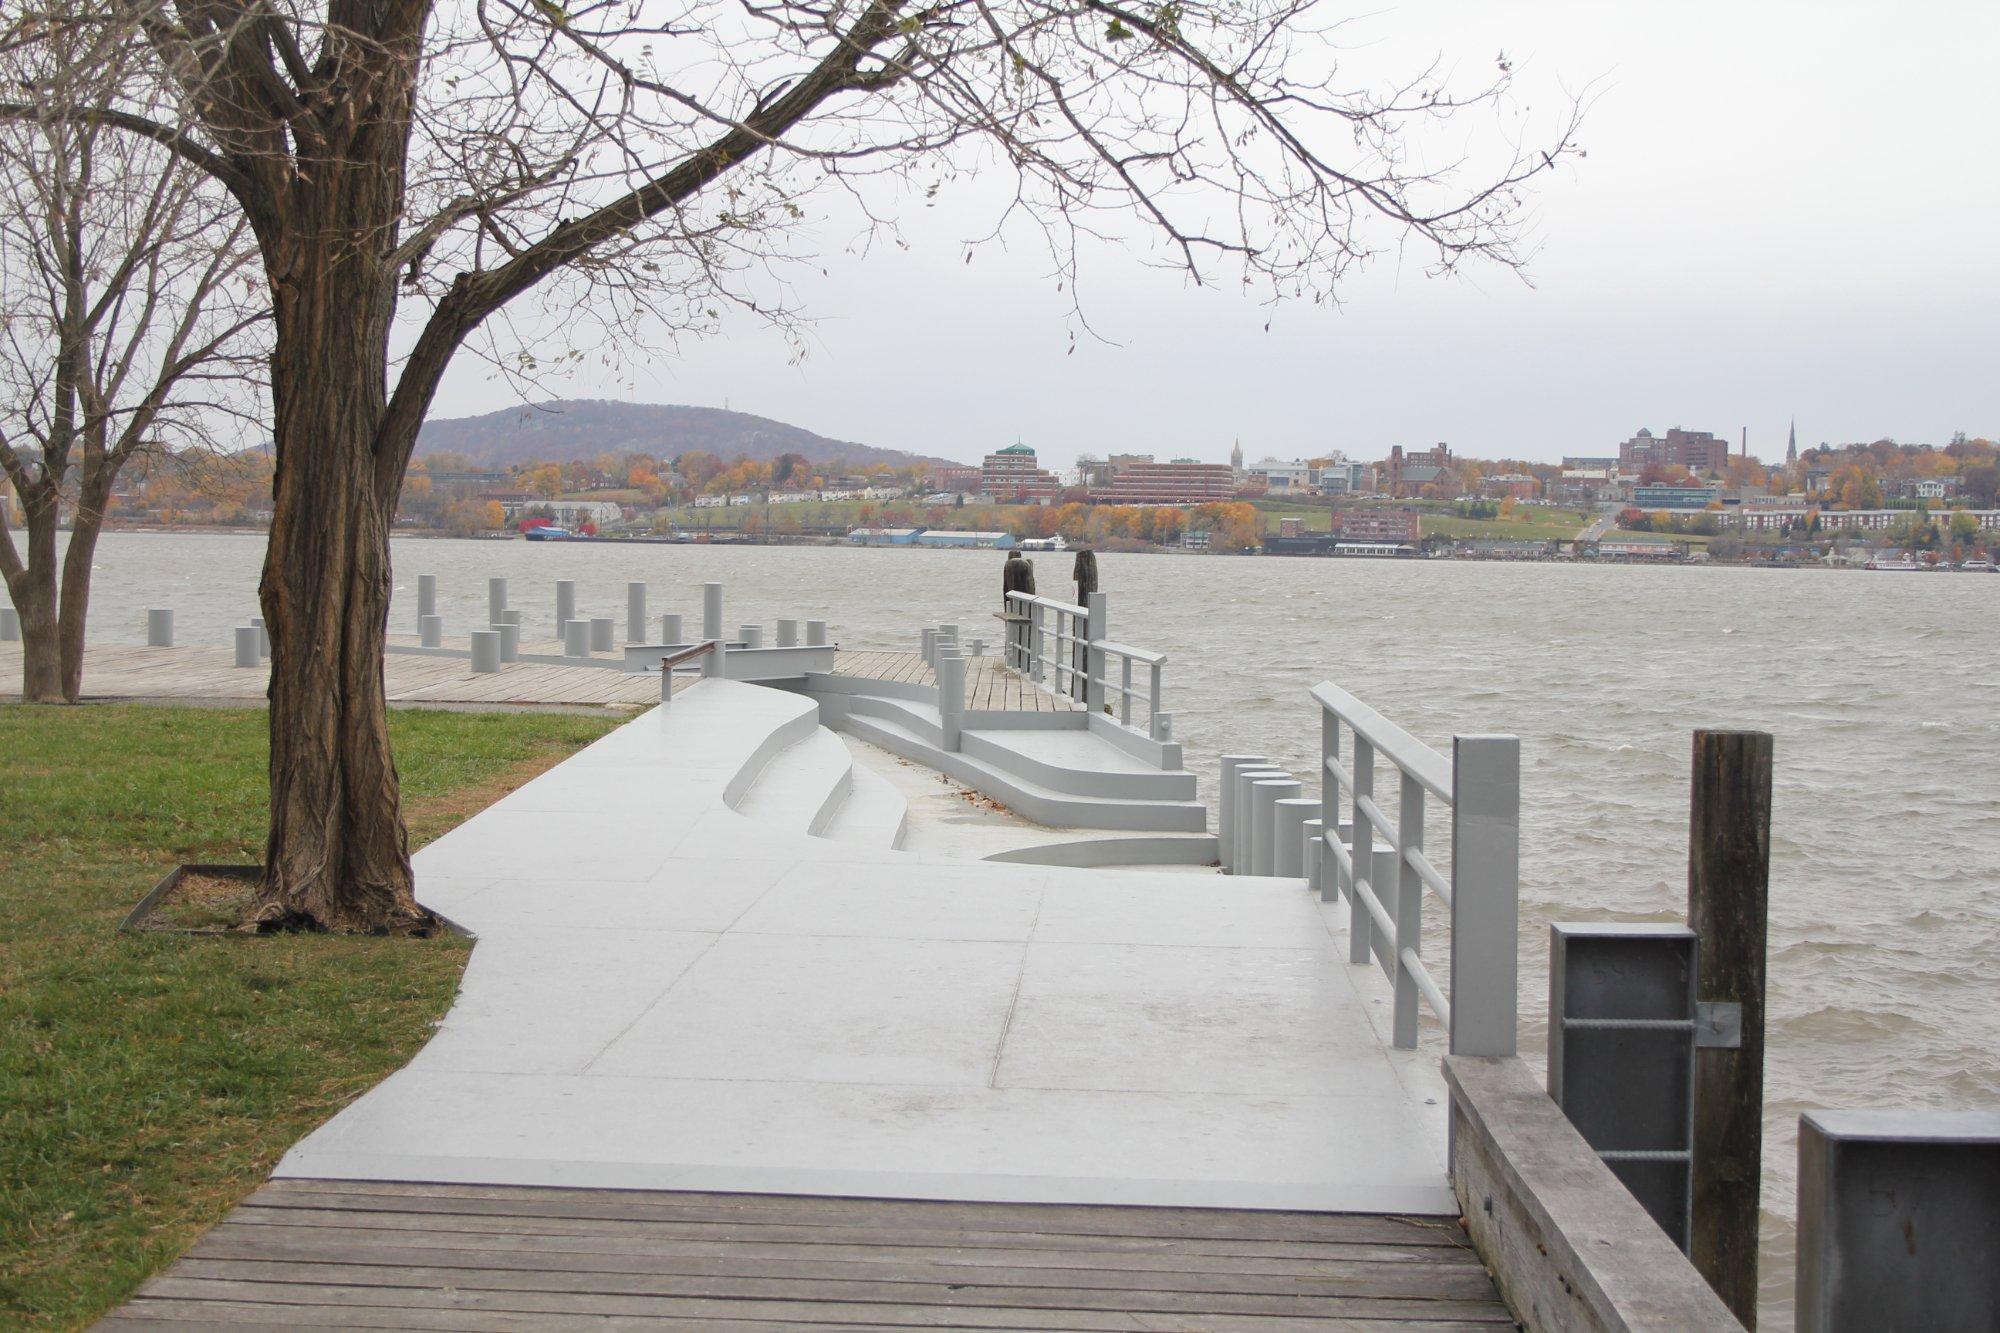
(635, 613)
(1097, 628)
(1485, 893)
(711, 611)
(1361, 853)
(1409, 908)
(1035, 642)
(1125, 691)
(1329, 803)
(1155, 672)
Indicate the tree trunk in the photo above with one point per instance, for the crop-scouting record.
(337, 856)
(74, 609)
(34, 593)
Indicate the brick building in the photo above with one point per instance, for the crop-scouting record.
(1696, 450)
(1406, 474)
(1012, 476)
(1399, 526)
(1181, 482)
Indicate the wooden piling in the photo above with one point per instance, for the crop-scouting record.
(1729, 871)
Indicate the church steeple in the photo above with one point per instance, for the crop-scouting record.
(1792, 446)
(1236, 457)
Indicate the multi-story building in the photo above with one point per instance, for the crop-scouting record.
(1338, 476)
(1397, 526)
(1509, 486)
(1836, 520)
(1281, 477)
(1585, 485)
(1699, 451)
(1406, 474)
(1012, 476)
(1181, 482)
(1675, 497)
(953, 477)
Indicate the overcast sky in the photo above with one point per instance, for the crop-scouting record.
(1786, 210)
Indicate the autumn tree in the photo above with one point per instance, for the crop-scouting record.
(637, 167)
(128, 327)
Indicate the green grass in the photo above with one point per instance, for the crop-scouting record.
(149, 1082)
(1526, 525)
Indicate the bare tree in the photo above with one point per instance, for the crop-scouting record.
(128, 310)
(643, 160)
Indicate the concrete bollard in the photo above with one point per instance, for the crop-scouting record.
(431, 631)
(1243, 814)
(510, 617)
(1288, 841)
(1312, 847)
(485, 651)
(951, 697)
(565, 607)
(751, 636)
(576, 638)
(160, 627)
(246, 646)
(496, 601)
(1225, 805)
(788, 633)
(712, 663)
(510, 640)
(635, 613)
(1264, 798)
(816, 633)
(10, 625)
(671, 630)
(711, 611)
(928, 648)
(603, 634)
(427, 598)
(978, 648)
(263, 636)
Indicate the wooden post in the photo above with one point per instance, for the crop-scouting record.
(1729, 872)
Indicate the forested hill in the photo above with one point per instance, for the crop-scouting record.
(557, 432)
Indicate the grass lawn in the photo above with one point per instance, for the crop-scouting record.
(149, 1082)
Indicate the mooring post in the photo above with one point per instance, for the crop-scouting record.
(485, 651)
(160, 627)
(711, 611)
(496, 601)
(1729, 876)
(788, 633)
(510, 640)
(427, 598)
(816, 634)
(603, 634)
(1264, 798)
(264, 635)
(635, 613)
(565, 607)
(430, 631)
(576, 638)
(1225, 806)
(10, 625)
(950, 668)
(1243, 815)
(246, 645)
(670, 629)
(751, 636)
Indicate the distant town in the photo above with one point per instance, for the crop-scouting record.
(1678, 496)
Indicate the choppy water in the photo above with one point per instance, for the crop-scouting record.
(1881, 690)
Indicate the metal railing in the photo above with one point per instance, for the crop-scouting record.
(1061, 648)
(1481, 787)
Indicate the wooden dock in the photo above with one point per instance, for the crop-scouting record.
(348, 1254)
(988, 684)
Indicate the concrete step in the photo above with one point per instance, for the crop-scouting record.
(801, 787)
(873, 813)
(1023, 795)
(1079, 762)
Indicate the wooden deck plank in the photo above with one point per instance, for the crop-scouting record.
(989, 684)
(303, 1253)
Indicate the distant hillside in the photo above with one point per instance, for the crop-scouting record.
(560, 431)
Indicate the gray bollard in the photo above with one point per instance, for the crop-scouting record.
(1311, 847)
(485, 651)
(711, 611)
(1225, 805)
(432, 631)
(246, 646)
(565, 607)
(951, 697)
(816, 633)
(510, 640)
(635, 613)
(263, 636)
(712, 663)
(1264, 800)
(671, 630)
(10, 625)
(788, 633)
(751, 636)
(978, 648)
(427, 598)
(576, 638)
(603, 634)
(496, 601)
(1243, 814)
(666, 685)
(509, 617)
(928, 648)
(1288, 841)
(160, 627)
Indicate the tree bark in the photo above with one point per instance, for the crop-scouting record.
(33, 589)
(73, 611)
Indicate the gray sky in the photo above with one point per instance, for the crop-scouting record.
(1787, 209)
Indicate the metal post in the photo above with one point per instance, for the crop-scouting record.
(711, 662)
(1288, 844)
(1243, 815)
(978, 648)
(1485, 893)
(1729, 873)
(510, 640)
(496, 601)
(1154, 671)
(1329, 801)
(565, 607)
(160, 627)
(427, 598)
(635, 613)
(1035, 642)
(1225, 805)
(246, 646)
(711, 611)
(1163, 727)
(816, 633)
(1361, 853)
(1125, 691)
(576, 638)
(666, 685)
(264, 635)
(788, 633)
(10, 625)
(1408, 908)
(951, 697)
(1097, 628)
(1264, 798)
(927, 649)
(751, 636)
(485, 651)
(430, 631)
(1310, 833)
(671, 630)
(603, 634)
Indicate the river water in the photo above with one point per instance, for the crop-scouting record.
(1881, 690)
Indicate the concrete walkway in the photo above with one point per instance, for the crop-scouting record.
(670, 995)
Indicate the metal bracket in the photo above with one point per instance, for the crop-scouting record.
(1718, 1023)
